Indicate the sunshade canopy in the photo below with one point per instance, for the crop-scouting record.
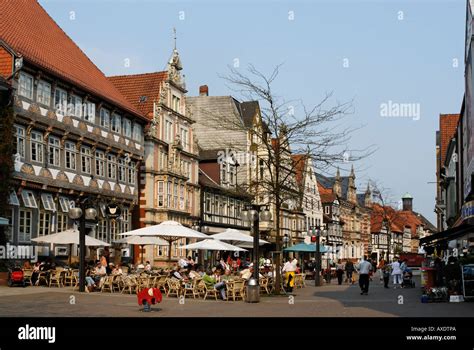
(70, 236)
(166, 230)
(236, 237)
(142, 240)
(213, 244)
(305, 248)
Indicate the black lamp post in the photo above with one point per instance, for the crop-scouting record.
(82, 213)
(254, 213)
(317, 271)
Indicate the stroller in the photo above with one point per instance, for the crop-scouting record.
(408, 279)
(16, 277)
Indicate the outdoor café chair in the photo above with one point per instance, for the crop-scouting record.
(209, 290)
(56, 279)
(129, 284)
(237, 289)
(174, 287)
(191, 288)
(264, 286)
(71, 278)
(27, 276)
(108, 284)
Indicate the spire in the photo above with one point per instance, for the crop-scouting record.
(367, 191)
(352, 171)
(338, 174)
(174, 32)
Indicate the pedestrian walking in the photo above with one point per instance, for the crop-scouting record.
(380, 268)
(349, 271)
(365, 267)
(385, 271)
(339, 271)
(396, 273)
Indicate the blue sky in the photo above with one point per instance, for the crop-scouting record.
(369, 51)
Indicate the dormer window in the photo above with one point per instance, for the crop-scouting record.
(25, 88)
(116, 123)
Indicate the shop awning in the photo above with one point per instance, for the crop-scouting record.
(3, 222)
(448, 234)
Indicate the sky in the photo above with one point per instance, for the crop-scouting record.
(400, 62)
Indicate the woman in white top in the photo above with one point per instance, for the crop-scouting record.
(396, 273)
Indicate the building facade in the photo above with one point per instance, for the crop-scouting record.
(169, 180)
(75, 134)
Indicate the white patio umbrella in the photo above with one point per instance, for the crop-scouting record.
(213, 244)
(142, 241)
(70, 236)
(170, 231)
(237, 237)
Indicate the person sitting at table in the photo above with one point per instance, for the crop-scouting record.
(99, 272)
(35, 273)
(212, 280)
(117, 270)
(148, 266)
(191, 262)
(227, 276)
(193, 273)
(176, 274)
(183, 263)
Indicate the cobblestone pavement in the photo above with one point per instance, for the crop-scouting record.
(328, 300)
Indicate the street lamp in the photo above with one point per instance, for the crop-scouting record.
(254, 213)
(82, 213)
(317, 271)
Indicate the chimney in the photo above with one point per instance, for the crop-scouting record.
(407, 201)
(203, 90)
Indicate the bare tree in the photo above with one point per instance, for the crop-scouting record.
(285, 128)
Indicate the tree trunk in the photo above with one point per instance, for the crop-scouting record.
(278, 248)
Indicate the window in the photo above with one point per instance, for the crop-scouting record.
(175, 193)
(127, 127)
(76, 106)
(64, 204)
(9, 227)
(116, 126)
(48, 202)
(60, 101)
(86, 160)
(261, 168)
(121, 170)
(111, 166)
(37, 147)
(132, 173)
(208, 203)
(89, 112)
(44, 227)
(100, 163)
(54, 151)
(185, 138)
(223, 173)
(24, 232)
(137, 132)
(25, 85)
(29, 199)
(102, 230)
(70, 155)
(13, 199)
(43, 93)
(181, 197)
(326, 209)
(163, 161)
(169, 194)
(176, 103)
(125, 222)
(104, 118)
(161, 193)
(19, 140)
(168, 130)
(62, 222)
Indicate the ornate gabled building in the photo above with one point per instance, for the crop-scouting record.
(353, 211)
(76, 136)
(309, 198)
(169, 188)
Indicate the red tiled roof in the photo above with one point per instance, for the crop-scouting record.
(28, 29)
(140, 89)
(326, 194)
(399, 219)
(447, 129)
(299, 163)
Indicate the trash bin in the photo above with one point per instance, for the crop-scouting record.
(253, 291)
